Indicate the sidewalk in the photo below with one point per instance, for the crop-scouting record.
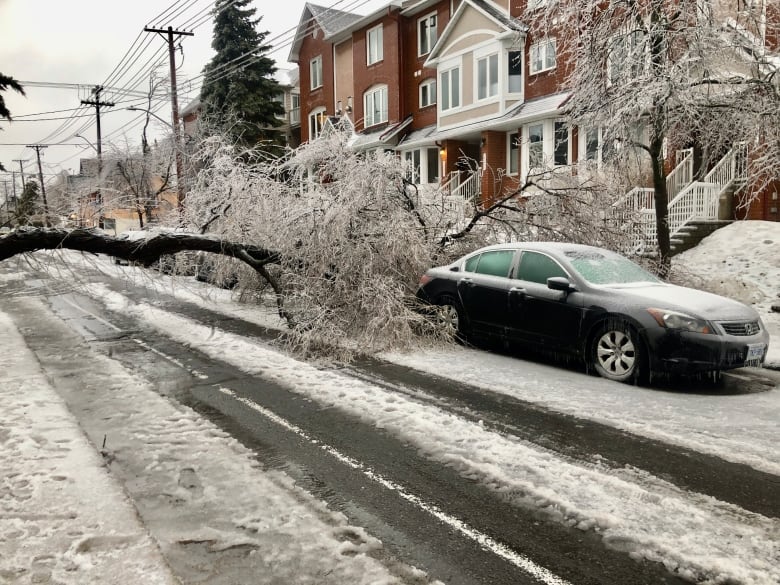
(63, 518)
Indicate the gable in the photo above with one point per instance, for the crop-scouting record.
(469, 27)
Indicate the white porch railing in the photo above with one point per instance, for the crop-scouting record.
(682, 174)
(469, 190)
(687, 201)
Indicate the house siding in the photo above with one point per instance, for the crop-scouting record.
(323, 96)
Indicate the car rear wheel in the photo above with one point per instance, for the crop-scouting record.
(449, 317)
(617, 354)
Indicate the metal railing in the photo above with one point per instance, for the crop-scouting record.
(682, 174)
(468, 190)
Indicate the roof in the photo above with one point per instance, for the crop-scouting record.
(513, 118)
(330, 20)
(380, 137)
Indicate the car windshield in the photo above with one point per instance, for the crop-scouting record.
(601, 267)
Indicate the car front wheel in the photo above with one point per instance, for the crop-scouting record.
(449, 316)
(616, 353)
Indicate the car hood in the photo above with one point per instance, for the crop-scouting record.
(694, 302)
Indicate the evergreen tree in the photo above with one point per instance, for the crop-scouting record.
(5, 83)
(27, 205)
(239, 89)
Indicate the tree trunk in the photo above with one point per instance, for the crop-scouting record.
(661, 206)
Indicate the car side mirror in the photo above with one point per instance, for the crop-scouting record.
(454, 269)
(560, 283)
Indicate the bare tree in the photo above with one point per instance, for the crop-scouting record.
(651, 76)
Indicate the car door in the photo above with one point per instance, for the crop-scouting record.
(483, 291)
(540, 315)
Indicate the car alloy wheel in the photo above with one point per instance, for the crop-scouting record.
(616, 354)
(448, 317)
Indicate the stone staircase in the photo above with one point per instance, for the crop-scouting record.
(693, 232)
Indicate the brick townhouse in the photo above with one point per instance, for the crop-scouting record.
(461, 89)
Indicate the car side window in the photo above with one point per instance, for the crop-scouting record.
(536, 267)
(495, 263)
(471, 263)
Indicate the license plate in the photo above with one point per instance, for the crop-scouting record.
(754, 354)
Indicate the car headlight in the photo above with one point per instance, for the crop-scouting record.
(680, 321)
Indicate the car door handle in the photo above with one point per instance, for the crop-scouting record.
(517, 291)
(467, 281)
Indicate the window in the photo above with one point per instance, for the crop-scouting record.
(426, 34)
(375, 102)
(592, 144)
(487, 77)
(535, 146)
(315, 69)
(543, 56)
(514, 153)
(514, 71)
(374, 46)
(422, 165)
(536, 267)
(627, 59)
(427, 93)
(450, 89)
(561, 151)
(316, 122)
(471, 264)
(496, 263)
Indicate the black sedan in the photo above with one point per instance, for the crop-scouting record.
(592, 303)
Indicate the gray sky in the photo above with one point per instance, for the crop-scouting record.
(83, 41)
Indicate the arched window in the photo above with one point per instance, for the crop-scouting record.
(375, 106)
(316, 122)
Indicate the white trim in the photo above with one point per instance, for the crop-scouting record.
(432, 96)
(371, 92)
(317, 60)
(509, 135)
(546, 43)
(380, 48)
(475, 74)
(315, 112)
(440, 88)
(435, 15)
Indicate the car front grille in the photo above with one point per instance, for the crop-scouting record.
(740, 328)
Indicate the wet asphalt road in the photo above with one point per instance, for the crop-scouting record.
(411, 533)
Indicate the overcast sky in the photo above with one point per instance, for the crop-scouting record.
(83, 41)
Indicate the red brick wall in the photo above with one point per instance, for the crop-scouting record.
(323, 96)
(386, 72)
(413, 71)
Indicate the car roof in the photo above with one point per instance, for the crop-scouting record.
(559, 247)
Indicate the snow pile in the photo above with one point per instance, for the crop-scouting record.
(740, 261)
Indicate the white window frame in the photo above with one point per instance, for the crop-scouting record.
(509, 62)
(315, 72)
(541, 52)
(431, 33)
(375, 51)
(634, 45)
(429, 85)
(529, 145)
(582, 141)
(445, 105)
(555, 144)
(420, 175)
(492, 86)
(518, 137)
(315, 129)
(369, 99)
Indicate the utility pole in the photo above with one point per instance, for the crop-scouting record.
(13, 184)
(98, 104)
(7, 209)
(169, 32)
(21, 168)
(37, 148)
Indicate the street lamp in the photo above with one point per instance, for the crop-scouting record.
(177, 146)
(86, 140)
(135, 109)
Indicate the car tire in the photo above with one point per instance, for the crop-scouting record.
(617, 353)
(449, 316)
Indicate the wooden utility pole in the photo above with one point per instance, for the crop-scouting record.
(169, 32)
(21, 168)
(98, 104)
(13, 184)
(37, 148)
